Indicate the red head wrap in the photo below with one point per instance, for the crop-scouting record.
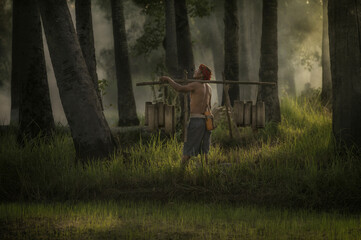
(206, 72)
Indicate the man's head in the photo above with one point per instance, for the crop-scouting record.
(203, 72)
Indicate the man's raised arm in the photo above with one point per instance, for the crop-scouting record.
(179, 88)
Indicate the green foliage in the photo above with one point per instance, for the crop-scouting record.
(152, 37)
(301, 31)
(154, 27)
(103, 84)
(200, 8)
(293, 165)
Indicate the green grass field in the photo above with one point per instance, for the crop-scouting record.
(171, 220)
(290, 166)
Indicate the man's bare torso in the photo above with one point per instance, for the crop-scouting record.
(199, 102)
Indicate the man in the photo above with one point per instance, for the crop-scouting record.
(198, 137)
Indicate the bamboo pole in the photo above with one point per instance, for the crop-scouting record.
(206, 81)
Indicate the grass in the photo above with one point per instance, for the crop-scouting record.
(283, 182)
(171, 220)
(290, 165)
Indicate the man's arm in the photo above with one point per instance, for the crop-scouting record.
(179, 88)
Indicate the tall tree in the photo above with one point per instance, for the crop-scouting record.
(126, 102)
(5, 41)
(326, 93)
(184, 41)
(29, 71)
(90, 131)
(245, 93)
(231, 39)
(268, 71)
(84, 28)
(253, 20)
(184, 47)
(345, 52)
(171, 55)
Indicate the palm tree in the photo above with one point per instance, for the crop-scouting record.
(326, 94)
(84, 28)
(90, 131)
(345, 52)
(184, 42)
(231, 39)
(29, 71)
(269, 62)
(171, 57)
(126, 102)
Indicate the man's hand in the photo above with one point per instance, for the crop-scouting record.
(164, 79)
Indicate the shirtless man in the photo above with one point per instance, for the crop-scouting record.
(198, 137)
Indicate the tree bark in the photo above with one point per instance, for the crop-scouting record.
(245, 91)
(171, 55)
(15, 75)
(345, 53)
(255, 43)
(126, 102)
(184, 47)
(326, 94)
(217, 45)
(84, 28)
(89, 128)
(29, 71)
(184, 42)
(269, 62)
(231, 39)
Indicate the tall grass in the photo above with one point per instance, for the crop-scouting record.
(293, 165)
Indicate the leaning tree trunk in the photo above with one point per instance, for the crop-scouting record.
(29, 71)
(269, 62)
(171, 55)
(345, 52)
(126, 103)
(84, 28)
(326, 94)
(231, 38)
(89, 129)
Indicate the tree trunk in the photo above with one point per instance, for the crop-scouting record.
(184, 47)
(84, 28)
(15, 74)
(217, 46)
(126, 102)
(89, 129)
(29, 71)
(245, 91)
(184, 42)
(326, 94)
(345, 53)
(231, 38)
(269, 62)
(171, 55)
(255, 43)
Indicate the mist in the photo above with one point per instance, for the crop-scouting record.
(300, 39)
